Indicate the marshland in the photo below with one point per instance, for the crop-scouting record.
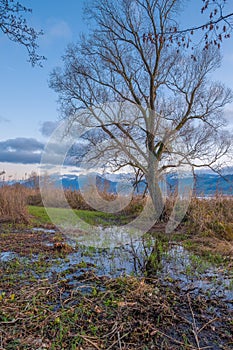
(155, 292)
(144, 102)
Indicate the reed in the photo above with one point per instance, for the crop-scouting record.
(13, 204)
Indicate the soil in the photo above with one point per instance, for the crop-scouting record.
(25, 241)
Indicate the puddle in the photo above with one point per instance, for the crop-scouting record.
(48, 244)
(44, 230)
(7, 256)
(196, 276)
(178, 267)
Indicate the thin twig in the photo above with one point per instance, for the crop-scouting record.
(114, 328)
(11, 322)
(89, 341)
(194, 325)
(205, 325)
(178, 342)
(117, 341)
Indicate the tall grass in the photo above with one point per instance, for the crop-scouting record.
(75, 200)
(13, 204)
(208, 217)
(211, 217)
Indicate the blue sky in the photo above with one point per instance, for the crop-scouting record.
(27, 106)
(26, 102)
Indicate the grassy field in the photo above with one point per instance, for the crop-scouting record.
(40, 216)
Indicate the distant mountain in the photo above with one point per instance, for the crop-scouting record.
(73, 182)
(209, 185)
(206, 184)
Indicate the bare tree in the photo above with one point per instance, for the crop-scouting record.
(155, 103)
(14, 25)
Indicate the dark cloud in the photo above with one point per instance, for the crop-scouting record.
(22, 144)
(21, 150)
(20, 158)
(29, 151)
(48, 128)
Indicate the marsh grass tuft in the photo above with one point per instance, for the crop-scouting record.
(212, 217)
(13, 204)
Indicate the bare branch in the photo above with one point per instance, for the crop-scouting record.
(15, 26)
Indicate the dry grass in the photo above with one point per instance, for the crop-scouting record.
(13, 204)
(211, 217)
(124, 313)
(213, 246)
(75, 200)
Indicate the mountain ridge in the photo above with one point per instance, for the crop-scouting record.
(205, 183)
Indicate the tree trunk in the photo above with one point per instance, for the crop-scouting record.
(153, 187)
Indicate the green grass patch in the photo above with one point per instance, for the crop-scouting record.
(205, 253)
(39, 214)
(61, 215)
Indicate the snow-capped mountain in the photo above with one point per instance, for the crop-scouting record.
(205, 183)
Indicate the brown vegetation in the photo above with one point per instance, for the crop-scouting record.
(13, 204)
(124, 313)
(211, 217)
(113, 313)
(26, 242)
(75, 200)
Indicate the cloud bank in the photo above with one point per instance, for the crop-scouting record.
(21, 150)
(29, 150)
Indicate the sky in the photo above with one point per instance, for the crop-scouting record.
(28, 107)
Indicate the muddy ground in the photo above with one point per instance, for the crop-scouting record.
(53, 295)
